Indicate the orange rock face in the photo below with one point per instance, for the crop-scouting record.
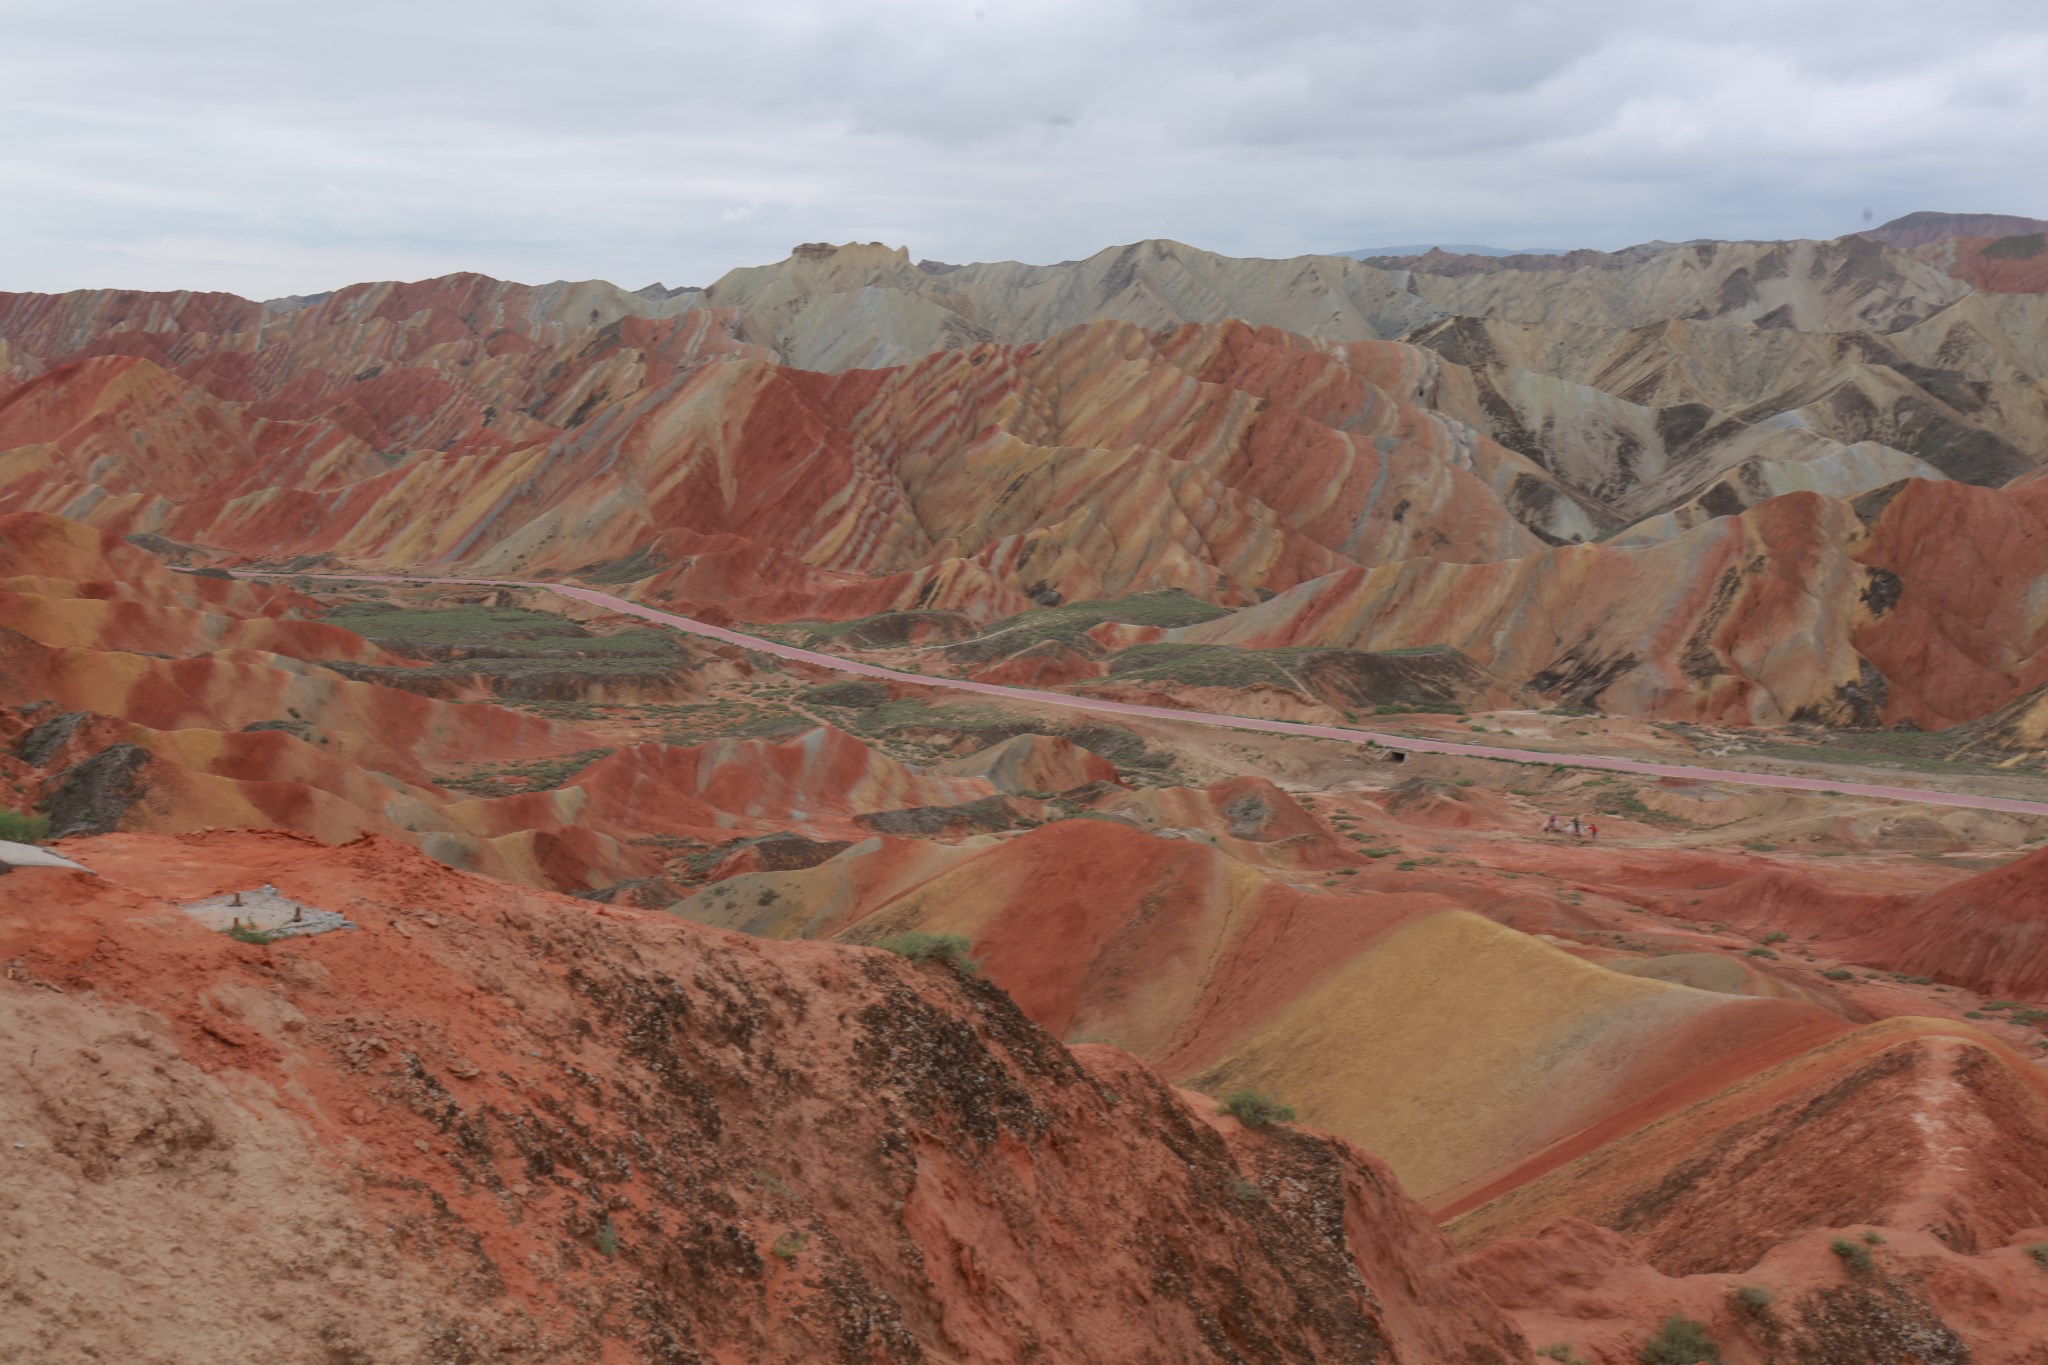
(495, 1117)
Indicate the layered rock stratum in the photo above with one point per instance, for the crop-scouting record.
(847, 433)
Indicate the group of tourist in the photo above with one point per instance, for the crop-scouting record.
(1582, 831)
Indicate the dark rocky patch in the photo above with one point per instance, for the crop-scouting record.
(39, 745)
(987, 815)
(1882, 589)
(1869, 508)
(1880, 1324)
(93, 796)
(1578, 680)
(1351, 678)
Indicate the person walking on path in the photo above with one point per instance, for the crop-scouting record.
(1550, 825)
(1577, 832)
(1592, 832)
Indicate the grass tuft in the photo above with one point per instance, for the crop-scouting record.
(1683, 1341)
(1754, 1299)
(1256, 1109)
(918, 946)
(24, 827)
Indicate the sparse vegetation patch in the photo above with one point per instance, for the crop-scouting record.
(1256, 1109)
(1683, 1341)
(918, 946)
(24, 827)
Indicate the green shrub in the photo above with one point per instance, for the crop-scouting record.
(919, 946)
(859, 694)
(24, 827)
(1776, 936)
(2039, 1251)
(1854, 1255)
(1874, 1237)
(1562, 1351)
(242, 933)
(1761, 952)
(1836, 974)
(607, 1238)
(1754, 1300)
(1682, 1342)
(790, 1245)
(1256, 1109)
(1240, 1188)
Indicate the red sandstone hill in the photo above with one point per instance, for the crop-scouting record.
(1987, 933)
(137, 698)
(1914, 604)
(2016, 264)
(1121, 452)
(1926, 227)
(490, 1123)
(1015, 443)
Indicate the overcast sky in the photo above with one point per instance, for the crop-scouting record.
(285, 147)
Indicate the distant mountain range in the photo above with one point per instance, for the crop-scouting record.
(1911, 230)
(1366, 253)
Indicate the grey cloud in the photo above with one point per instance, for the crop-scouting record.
(280, 149)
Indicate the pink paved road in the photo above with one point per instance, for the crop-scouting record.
(1277, 727)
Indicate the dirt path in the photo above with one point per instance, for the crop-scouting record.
(1409, 744)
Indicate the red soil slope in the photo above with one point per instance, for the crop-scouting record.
(1987, 933)
(1920, 1303)
(2003, 265)
(1184, 951)
(819, 781)
(1963, 1122)
(68, 584)
(489, 1122)
(1930, 1132)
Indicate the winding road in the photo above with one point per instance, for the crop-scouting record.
(1402, 743)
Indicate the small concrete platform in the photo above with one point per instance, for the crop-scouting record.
(266, 910)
